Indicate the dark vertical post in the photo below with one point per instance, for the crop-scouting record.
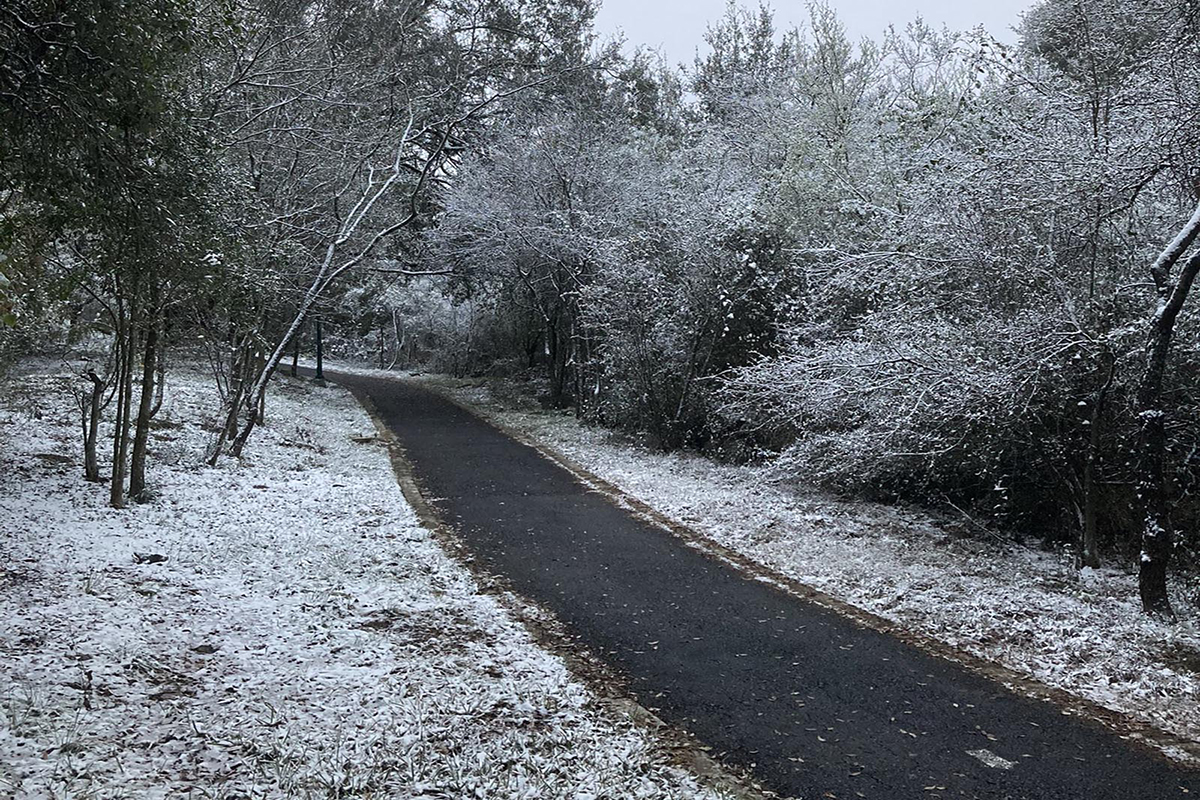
(295, 354)
(320, 353)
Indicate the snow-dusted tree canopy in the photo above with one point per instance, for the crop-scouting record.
(914, 269)
(931, 268)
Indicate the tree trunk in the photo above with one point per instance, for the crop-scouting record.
(557, 354)
(116, 497)
(1152, 445)
(1089, 551)
(577, 368)
(91, 430)
(531, 350)
(1156, 538)
(259, 361)
(238, 370)
(141, 436)
(229, 426)
(1089, 548)
(160, 382)
(233, 400)
(398, 350)
(320, 352)
(296, 356)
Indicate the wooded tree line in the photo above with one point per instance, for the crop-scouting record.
(202, 174)
(932, 268)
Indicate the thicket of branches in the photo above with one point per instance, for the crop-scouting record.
(931, 268)
(177, 173)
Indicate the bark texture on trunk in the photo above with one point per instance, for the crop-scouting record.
(141, 436)
(160, 382)
(1089, 546)
(120, 466)
(1156, 539)
(1156, 535)
(320, 351)
(91, 431)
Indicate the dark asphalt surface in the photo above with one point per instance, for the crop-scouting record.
(815, 706)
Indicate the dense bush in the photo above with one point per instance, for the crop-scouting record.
(914, 269)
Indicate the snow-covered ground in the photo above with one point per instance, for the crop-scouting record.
(1027, 610)
(304, 636)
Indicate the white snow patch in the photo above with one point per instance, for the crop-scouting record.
(991, 759)
(305, 637)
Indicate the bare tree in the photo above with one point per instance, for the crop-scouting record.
(342, 127)
(1172, 292)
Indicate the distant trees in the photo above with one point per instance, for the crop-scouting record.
(623, 250)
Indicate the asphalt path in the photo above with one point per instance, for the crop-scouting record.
(812, 704)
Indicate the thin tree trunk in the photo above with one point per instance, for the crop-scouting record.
(238, 360)
(229, 425)
(398, 350)
(1089, 550)
(296, 355)
(238, 370)
(91, 467)
(233, 402)
(141, 436)
(577, 367)
(259, 360)
(531, 351)
(120, 463)
(320, 351)
(556, 352)
(160, 382)
(1156, 538)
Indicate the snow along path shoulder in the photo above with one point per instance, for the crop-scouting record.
(304, 638)
(1079, 631)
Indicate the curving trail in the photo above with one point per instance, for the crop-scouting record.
(812, 704)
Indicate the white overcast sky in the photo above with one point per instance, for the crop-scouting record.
(677, 26)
